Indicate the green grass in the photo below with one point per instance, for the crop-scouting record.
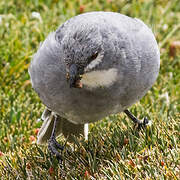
(114, 149)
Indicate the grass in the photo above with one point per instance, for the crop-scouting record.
(114, 150)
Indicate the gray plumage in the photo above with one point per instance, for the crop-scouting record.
(126, 67)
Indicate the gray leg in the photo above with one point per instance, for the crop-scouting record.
(140, 124)
(53, 145)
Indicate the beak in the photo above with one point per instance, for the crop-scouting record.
(73, 75)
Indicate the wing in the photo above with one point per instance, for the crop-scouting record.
(47, 69)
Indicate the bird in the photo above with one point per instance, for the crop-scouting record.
(93, 65)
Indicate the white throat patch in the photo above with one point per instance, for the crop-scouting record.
(100, 78)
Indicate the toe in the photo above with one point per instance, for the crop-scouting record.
(145, 121)
(52, 148)
(60, 147)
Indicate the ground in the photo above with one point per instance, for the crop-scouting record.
(114, 149)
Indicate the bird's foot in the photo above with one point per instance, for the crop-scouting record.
(53, 147)
(142, 124)
(138, 124)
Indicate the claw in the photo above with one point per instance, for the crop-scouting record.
(145, 121)
(53, 147)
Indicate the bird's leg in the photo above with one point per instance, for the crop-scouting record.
(53, 145)
(140, 124)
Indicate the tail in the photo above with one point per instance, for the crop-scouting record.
(63, 126)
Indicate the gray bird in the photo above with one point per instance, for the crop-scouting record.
(93, 65)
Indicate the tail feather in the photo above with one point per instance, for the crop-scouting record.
(63, 126)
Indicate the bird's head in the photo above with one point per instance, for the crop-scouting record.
(88, 53)
(83, 53)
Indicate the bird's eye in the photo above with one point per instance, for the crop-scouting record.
(93, 57)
